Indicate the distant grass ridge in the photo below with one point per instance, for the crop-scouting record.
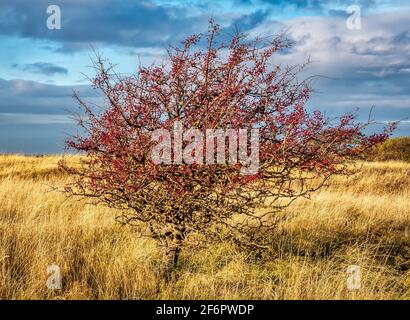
(392, 149)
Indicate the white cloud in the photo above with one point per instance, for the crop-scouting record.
(366, 67)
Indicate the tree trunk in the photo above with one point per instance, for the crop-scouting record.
(170, 259)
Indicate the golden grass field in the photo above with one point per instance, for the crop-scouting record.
(363, 221)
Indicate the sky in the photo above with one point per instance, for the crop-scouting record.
(360, 66)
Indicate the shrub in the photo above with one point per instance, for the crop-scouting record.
(392, 149)
(209, 86)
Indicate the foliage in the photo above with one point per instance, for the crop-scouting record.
(215, 86)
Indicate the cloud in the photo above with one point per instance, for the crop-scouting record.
(21, 96)
(123, 22)
(45, 68)
(28, 118)
(361, 68)
(251, 20)
(323, 6)
(148, 23)
(35, 118)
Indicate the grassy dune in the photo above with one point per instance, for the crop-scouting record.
(363, 221)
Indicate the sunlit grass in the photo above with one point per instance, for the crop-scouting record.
(364, 221)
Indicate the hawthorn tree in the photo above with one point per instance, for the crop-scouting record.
(207, 84)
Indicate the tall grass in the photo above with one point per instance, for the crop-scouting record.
(363, 221)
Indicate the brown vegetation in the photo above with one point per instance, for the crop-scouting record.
(397, 149)
(363, 220)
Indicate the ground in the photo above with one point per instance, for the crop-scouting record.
(360, 224)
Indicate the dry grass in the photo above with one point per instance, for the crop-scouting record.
(362, 221)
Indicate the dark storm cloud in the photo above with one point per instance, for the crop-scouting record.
(34, 117)
(250, 21)
(20, 96)
(45, 68)
(125, 22)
